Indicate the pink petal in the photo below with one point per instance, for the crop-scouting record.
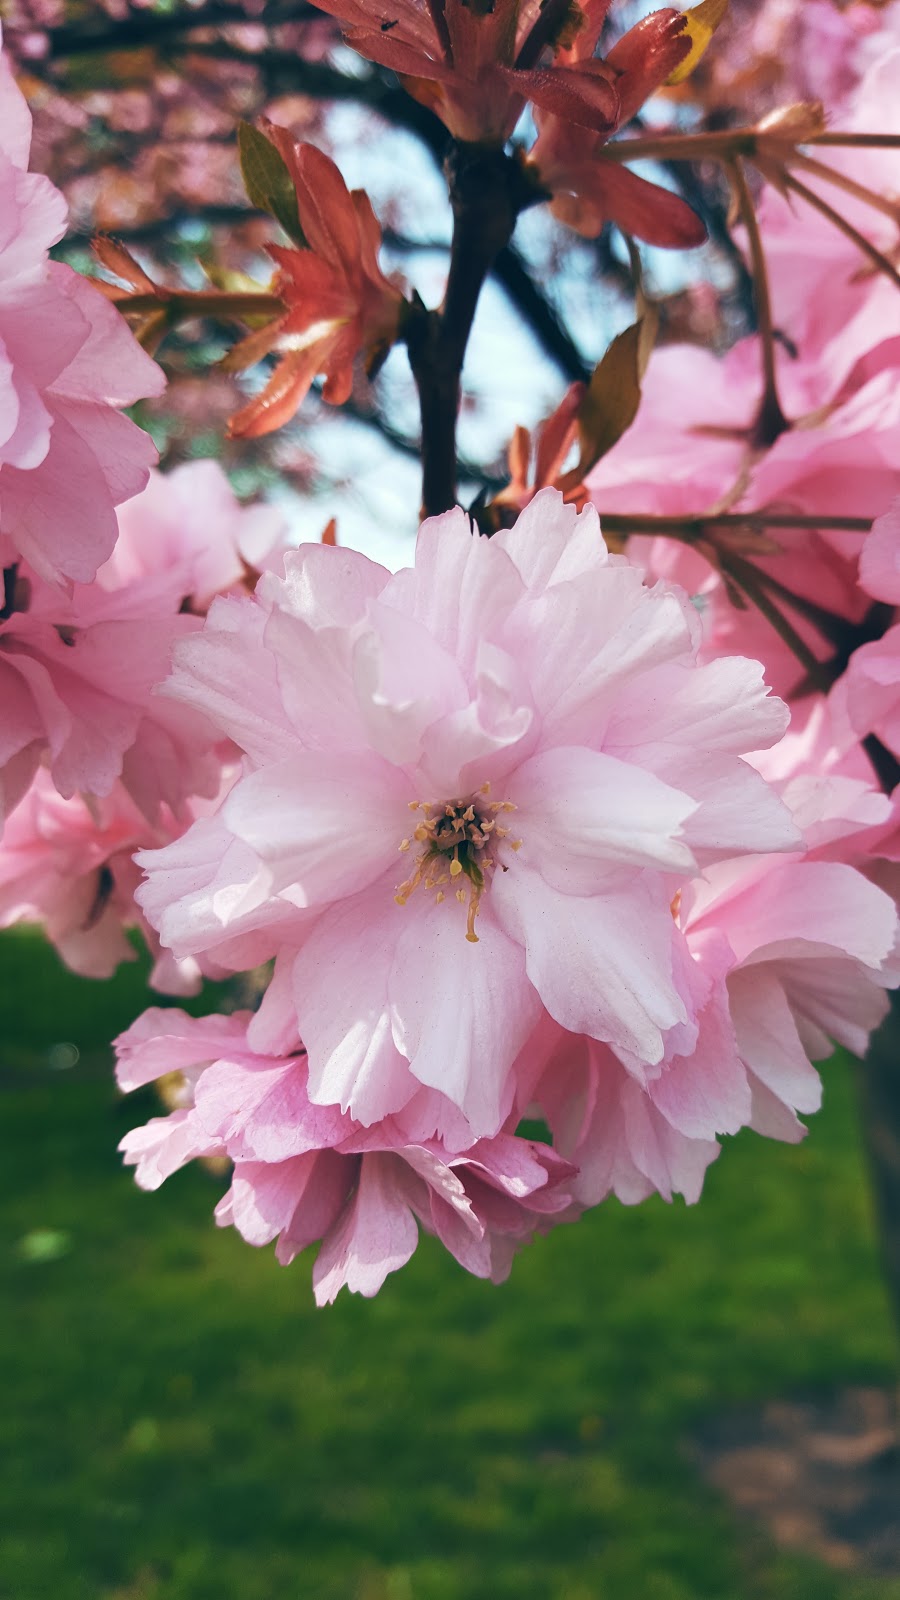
(601, 966)
(376, 1235)
(342, 834)
(578, 811)
(461, 1011)
(341, 994)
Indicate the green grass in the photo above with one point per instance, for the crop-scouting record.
(178, 1422)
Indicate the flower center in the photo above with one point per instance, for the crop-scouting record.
(459, 840)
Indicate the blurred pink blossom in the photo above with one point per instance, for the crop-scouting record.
(67, 362)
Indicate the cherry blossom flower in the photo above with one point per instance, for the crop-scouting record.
(338, 302)
(790, 955)
(67, 362)
(304, 1173)
(871, 691)
(68, 865)
(78, 671)
(470, 792)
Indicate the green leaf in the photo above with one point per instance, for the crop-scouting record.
(268, 182)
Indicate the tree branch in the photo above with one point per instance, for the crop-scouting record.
(488, 189)
(149, 28)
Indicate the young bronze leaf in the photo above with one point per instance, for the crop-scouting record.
(121, 263)
(612, 398)
(268, 182)
(701, 23)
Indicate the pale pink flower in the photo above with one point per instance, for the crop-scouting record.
(68, 865)
(77, 675)
(790, 956)
(189, 531)
(305, 1173)
(470, 792)
(871, 690)
(67, 361)
(813, 947)
(78, 671)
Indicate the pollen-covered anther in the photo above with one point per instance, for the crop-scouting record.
(458, 839)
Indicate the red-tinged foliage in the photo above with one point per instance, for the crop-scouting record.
(589, 191)
(339, 302)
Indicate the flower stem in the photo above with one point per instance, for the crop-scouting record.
(725, 145)
(770, 421)
(863, 244)
(181, 304)
(841, 180)
(698, 527)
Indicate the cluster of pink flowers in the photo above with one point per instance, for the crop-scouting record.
(92, 764)
(696, 450)
(110, 766)
(495, 829)
(518, 832)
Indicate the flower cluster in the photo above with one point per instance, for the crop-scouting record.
(67, 361)
(517, 834)
(98, 764)
(495, 828)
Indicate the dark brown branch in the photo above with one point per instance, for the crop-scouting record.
(487, 192)
(149, 28)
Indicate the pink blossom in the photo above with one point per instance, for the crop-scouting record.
(469, 789)
(67, 361)
(78, 675)
(304, 1172)
(68, 865)
(78, 671)
(189, 531)
(813, 945)
(792, 957)
(870, 693)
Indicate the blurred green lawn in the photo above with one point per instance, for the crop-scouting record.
(180, 1423)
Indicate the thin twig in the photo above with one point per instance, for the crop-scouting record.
(771, 421)
(864, 245)
(700, 526)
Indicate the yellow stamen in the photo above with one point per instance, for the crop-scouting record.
(456, 838)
